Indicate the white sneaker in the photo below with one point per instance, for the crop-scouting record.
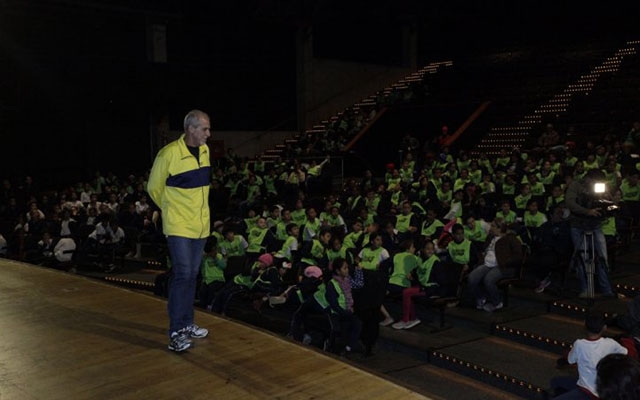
(543, 285)
(195, 331)
(386, 322)
(399, 325)
(306, 339)
(275, 300)
(490, 307)
(179, 341)
(413, 323)
(480, 303)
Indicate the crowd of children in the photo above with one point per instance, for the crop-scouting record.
(436, 225)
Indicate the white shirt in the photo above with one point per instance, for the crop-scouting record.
(141, 208)
(64, 227)
(490, 254)
(64, 249)
(587, 353)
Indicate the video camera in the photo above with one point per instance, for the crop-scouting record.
(606, 207)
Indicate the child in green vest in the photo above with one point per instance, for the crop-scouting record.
(335, 250)
(459, 249)
(533, 220)
(240, 283)
(506, 213)
(404, 262)
(314, 252)
(370, 259)
(337, 299)
(311, 226)
(260, 238)
(432, 226)
(430, 278)
(232, 245)
(212, 271)
(353, 239)
(290, 245)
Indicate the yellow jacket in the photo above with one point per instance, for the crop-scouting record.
(179, 185)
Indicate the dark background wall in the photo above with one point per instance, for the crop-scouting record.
(79, 93)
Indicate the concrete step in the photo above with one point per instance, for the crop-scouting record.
(499, 363)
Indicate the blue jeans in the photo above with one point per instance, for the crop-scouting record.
(482, 283)
(186, 255)
(600, 245)
(567, 385)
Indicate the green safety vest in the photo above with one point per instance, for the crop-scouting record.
(537, 189)
(245, 280)
(371, 258)
(281, 230)
(312, 227)
(255, 239)
(508, 189)
(350, 239)
(424, 271)
(509, 218)
(533, 220)
(403, 264)
(629, 193)
(213, 269)
(430, 230)
(403, 222)
(285, 251)
(299, 217)
(477, 234)
(445, 197)
(332, 254)
(321, 295)
(234, 248)
(521, 201)
(548, 179)
(317, 252)
(609, 226)
(460, 252)
(251, 222)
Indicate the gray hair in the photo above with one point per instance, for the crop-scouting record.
(193, 118)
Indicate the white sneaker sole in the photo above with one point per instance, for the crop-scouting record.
(180, 349)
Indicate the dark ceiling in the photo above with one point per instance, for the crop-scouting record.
(79, 91)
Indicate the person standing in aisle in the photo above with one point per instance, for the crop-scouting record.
(179, 185)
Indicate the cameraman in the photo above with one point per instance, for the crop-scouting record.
(586, 217)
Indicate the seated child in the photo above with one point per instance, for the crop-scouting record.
(586, 353)
(430, 280)
(212, 271)
(240, 283)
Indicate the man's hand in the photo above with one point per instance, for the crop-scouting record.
(593, 212)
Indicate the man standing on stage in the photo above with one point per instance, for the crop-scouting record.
(179, 185)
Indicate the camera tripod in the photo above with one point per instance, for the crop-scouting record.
(587, 256)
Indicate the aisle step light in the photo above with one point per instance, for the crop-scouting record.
(486, 371)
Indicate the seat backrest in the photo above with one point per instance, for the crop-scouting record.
(526, 250)
(236, 265)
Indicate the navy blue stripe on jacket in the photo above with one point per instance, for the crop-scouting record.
(190, 179)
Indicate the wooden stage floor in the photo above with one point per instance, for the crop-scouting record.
(69, 337)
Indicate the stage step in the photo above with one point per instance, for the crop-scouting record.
(457, 386)
(553, 333)
(578, 308)
(630, 286)
(142, 280)
(501, 363)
